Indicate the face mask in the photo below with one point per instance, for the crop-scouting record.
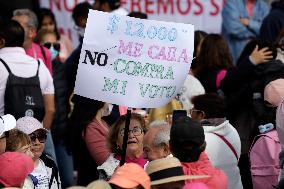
(107, 111)
(54, 53)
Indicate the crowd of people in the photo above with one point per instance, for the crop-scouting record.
(224, 129)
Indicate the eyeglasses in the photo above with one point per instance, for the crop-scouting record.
(56, 46)
(41, 136)
(136, 131)
(5, 135)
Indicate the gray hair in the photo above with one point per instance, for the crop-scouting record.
(163, 135)
(33, 22)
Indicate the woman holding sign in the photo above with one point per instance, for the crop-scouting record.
(134, 150)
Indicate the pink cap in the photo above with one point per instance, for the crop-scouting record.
(130, 175)
(28, 125)
(274, 91)
(15, 167)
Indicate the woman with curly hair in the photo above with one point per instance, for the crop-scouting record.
(134, 151)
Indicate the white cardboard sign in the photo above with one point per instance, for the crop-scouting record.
(133, 62)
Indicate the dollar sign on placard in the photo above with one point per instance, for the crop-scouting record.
(113, 24)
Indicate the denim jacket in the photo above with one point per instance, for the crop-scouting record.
(236, 34)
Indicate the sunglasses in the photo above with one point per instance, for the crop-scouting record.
(40, 135)
(56, 46)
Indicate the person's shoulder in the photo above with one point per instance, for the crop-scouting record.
(42, 66)
(41, 49)
(94, 124)
(43, 70)
(263, 3)
(219, 173)
(219, 177)
(232, 3)
(195, 85)
(28, 60)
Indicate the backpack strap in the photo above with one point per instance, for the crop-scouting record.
(220, 76)
(38, 64)
(228, 144)
(6, 66)
(51, 178)
(51, 164)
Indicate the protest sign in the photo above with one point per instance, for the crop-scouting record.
(133, 62)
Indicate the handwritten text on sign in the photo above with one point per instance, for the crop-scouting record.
(133, 62)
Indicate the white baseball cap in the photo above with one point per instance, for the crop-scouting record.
(29, 124)
(7, 122)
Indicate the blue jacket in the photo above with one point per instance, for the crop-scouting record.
(236, 34)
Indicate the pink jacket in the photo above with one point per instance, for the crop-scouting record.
(196, 185)
(36, 52)
(96, 141)
(217, 179)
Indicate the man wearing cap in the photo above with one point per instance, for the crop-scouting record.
(187, 143)
(7, 122)
(45, 174)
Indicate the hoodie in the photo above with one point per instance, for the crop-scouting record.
(220, 154)
(217, 179)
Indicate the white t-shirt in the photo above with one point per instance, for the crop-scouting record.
(42, 176)
(22, 65)
(28, 184)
